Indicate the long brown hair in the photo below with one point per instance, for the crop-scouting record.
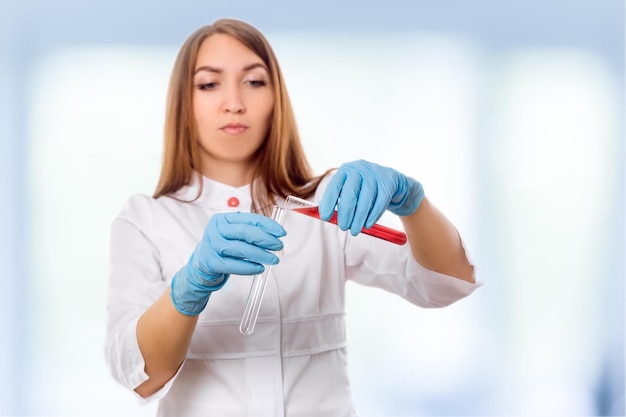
(281, 166)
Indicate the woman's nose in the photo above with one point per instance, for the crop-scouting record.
(233, 102)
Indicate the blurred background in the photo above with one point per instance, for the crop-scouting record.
(510, 113)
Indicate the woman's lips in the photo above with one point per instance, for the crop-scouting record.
(234, 128)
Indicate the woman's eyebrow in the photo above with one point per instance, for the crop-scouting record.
(208, 68)
(216, 70)
(253, 66)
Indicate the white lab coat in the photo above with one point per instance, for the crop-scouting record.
(294, 364)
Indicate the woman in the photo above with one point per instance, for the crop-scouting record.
(177, 285)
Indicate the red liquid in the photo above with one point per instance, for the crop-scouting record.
(381, 232)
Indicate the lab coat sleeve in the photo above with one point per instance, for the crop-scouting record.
(377, 263)
(135, 283)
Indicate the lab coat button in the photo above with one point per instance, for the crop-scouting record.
(233, 202)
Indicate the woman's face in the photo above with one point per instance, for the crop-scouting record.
(232, 106)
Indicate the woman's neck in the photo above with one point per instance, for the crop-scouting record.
(235, 175)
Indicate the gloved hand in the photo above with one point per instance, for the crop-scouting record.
(232, 243)
(364, 191)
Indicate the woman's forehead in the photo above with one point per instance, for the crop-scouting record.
(225, 52)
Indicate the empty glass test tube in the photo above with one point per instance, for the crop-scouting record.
(259, 282)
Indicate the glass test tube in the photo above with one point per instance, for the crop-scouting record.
(377, 230)
(259, 282)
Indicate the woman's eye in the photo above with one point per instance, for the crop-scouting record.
(257, 83)
(206, 86)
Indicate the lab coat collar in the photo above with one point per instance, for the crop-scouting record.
(214, 194)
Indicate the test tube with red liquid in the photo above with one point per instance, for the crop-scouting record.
(379, 231)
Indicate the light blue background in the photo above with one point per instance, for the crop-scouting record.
(31, 30)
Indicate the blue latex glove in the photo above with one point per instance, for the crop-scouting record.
(232, 243)
(362, 191)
